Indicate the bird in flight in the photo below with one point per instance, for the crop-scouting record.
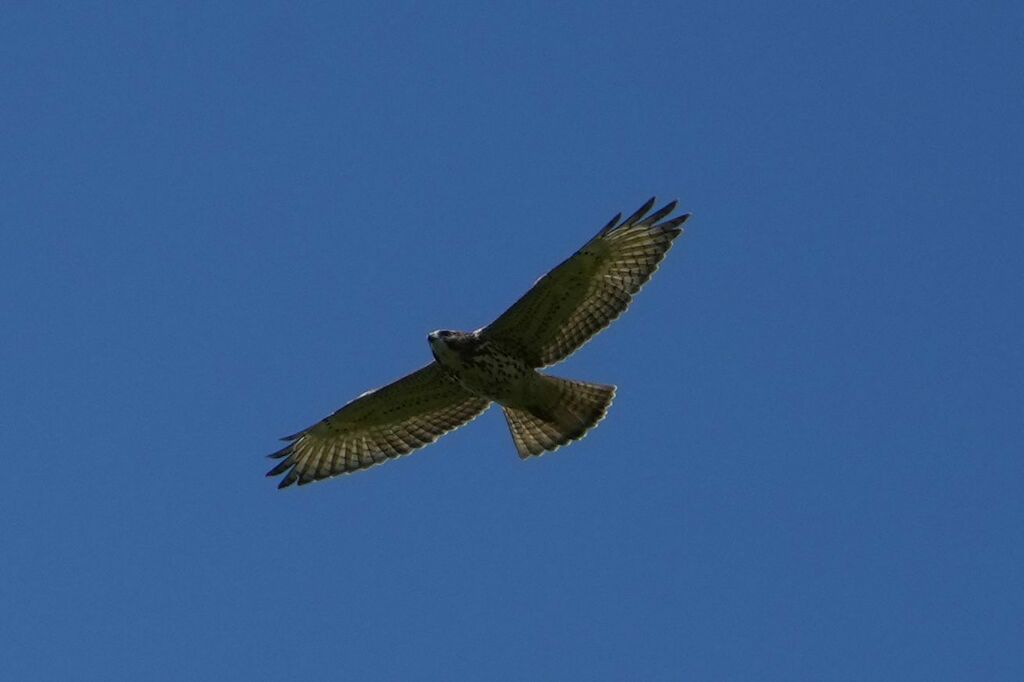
(498, 363)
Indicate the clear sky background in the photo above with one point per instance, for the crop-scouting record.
(220, 222)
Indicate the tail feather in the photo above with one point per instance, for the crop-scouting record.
(564, 410)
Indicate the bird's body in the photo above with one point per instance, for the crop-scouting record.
(499, 363)
(483, 367)
(490, 370)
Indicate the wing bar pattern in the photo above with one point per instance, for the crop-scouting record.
(377, 426)
(589, 290)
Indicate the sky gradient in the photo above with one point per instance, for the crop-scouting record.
(220, 222)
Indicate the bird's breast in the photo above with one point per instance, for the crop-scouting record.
(488, 370)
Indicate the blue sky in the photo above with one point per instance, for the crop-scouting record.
(220, 222)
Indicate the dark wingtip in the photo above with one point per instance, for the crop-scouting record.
(611, 224)
(280, 468)
(677, 221)
(283, 452)
(640, 212)
(660, 213)
(287, 480)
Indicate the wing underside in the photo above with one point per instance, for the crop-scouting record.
(585, 293)
(377, 426)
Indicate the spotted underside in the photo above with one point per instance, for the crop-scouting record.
(484, 367)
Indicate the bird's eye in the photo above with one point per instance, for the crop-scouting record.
(446, 333)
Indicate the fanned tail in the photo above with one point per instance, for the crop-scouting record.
(564, 411)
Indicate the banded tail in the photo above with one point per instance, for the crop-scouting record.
(564, 411)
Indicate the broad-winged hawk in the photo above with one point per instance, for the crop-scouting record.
(499, 363)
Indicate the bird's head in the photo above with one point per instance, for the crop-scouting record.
(444, 343)
(439, 339)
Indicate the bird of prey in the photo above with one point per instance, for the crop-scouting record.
(499, 363)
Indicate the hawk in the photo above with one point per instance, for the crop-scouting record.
(499, 363)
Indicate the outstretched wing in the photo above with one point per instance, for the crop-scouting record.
(583, 295)
(379, 425)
